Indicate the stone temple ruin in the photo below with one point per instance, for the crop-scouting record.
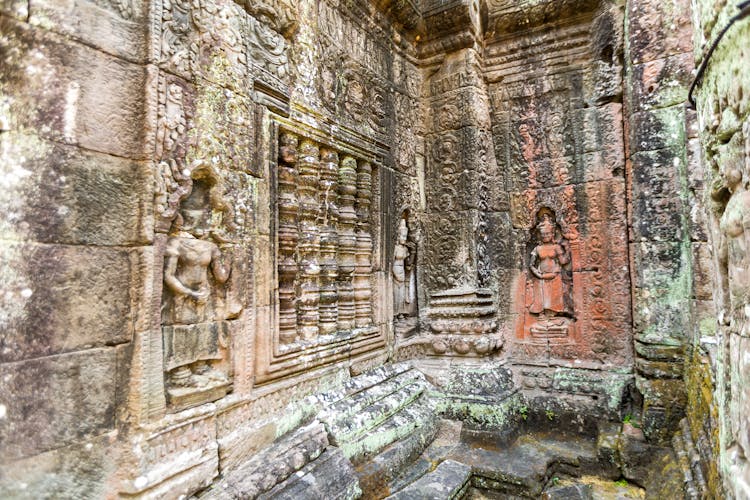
(334, 249)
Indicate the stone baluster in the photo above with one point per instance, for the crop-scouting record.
(347, 241)
(329, 167)
(363, 254)
(288, 236)
(309, 240)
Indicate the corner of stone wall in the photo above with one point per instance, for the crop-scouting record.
(663, 240)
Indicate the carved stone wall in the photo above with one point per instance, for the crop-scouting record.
(558, 136)
(718, 380)
(174, 279)
(215, 213)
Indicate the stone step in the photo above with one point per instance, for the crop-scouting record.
(329, 477)
(377, 409)
(524, 467)
(370, 379)
(272, 465)
(396, 427)
(356, 415)
(398, 465)
(448, 481)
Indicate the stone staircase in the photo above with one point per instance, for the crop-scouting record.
(449, 480)
(376, 410)
(381, 436)
(363, 434)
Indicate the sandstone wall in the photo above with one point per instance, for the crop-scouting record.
(667, 240)
(215, 209)
(719, 408)
(145, 146)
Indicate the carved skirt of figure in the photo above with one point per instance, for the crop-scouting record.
(547, 295)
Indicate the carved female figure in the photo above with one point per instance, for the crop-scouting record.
(403, 289)
(547, 262)
(186, 271)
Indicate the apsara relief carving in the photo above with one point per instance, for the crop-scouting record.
(197, 299)
(549, 294)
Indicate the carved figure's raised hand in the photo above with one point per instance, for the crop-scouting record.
(201, 295)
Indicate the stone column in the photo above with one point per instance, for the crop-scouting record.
(347, 239)
(288, 236)
(329, 167)
(309, 241)
(363, 271)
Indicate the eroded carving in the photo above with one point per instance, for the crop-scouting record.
(404, 280)
(197, 299)
(178, 44)
(404, 275)
(267, 47)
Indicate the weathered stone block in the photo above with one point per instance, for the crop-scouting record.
(224, 128)
(65, 298)
(658, 317)
(171, 459)
(501, 252)
(330, 476)
(660, 218)
(697, 217)
(660, 265)
(486, 380)
(657, 173)
(659, 369)
(703, 268)
(448, 258)
(663, 407)
(650, 20)
(449, 480)
(601, 129)
(117, 28)
(56, 401)
(15, 8)
(662, 82)
(661, 352)
(76, 471)
(96, 100)
(62, 194)
(657, 129)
